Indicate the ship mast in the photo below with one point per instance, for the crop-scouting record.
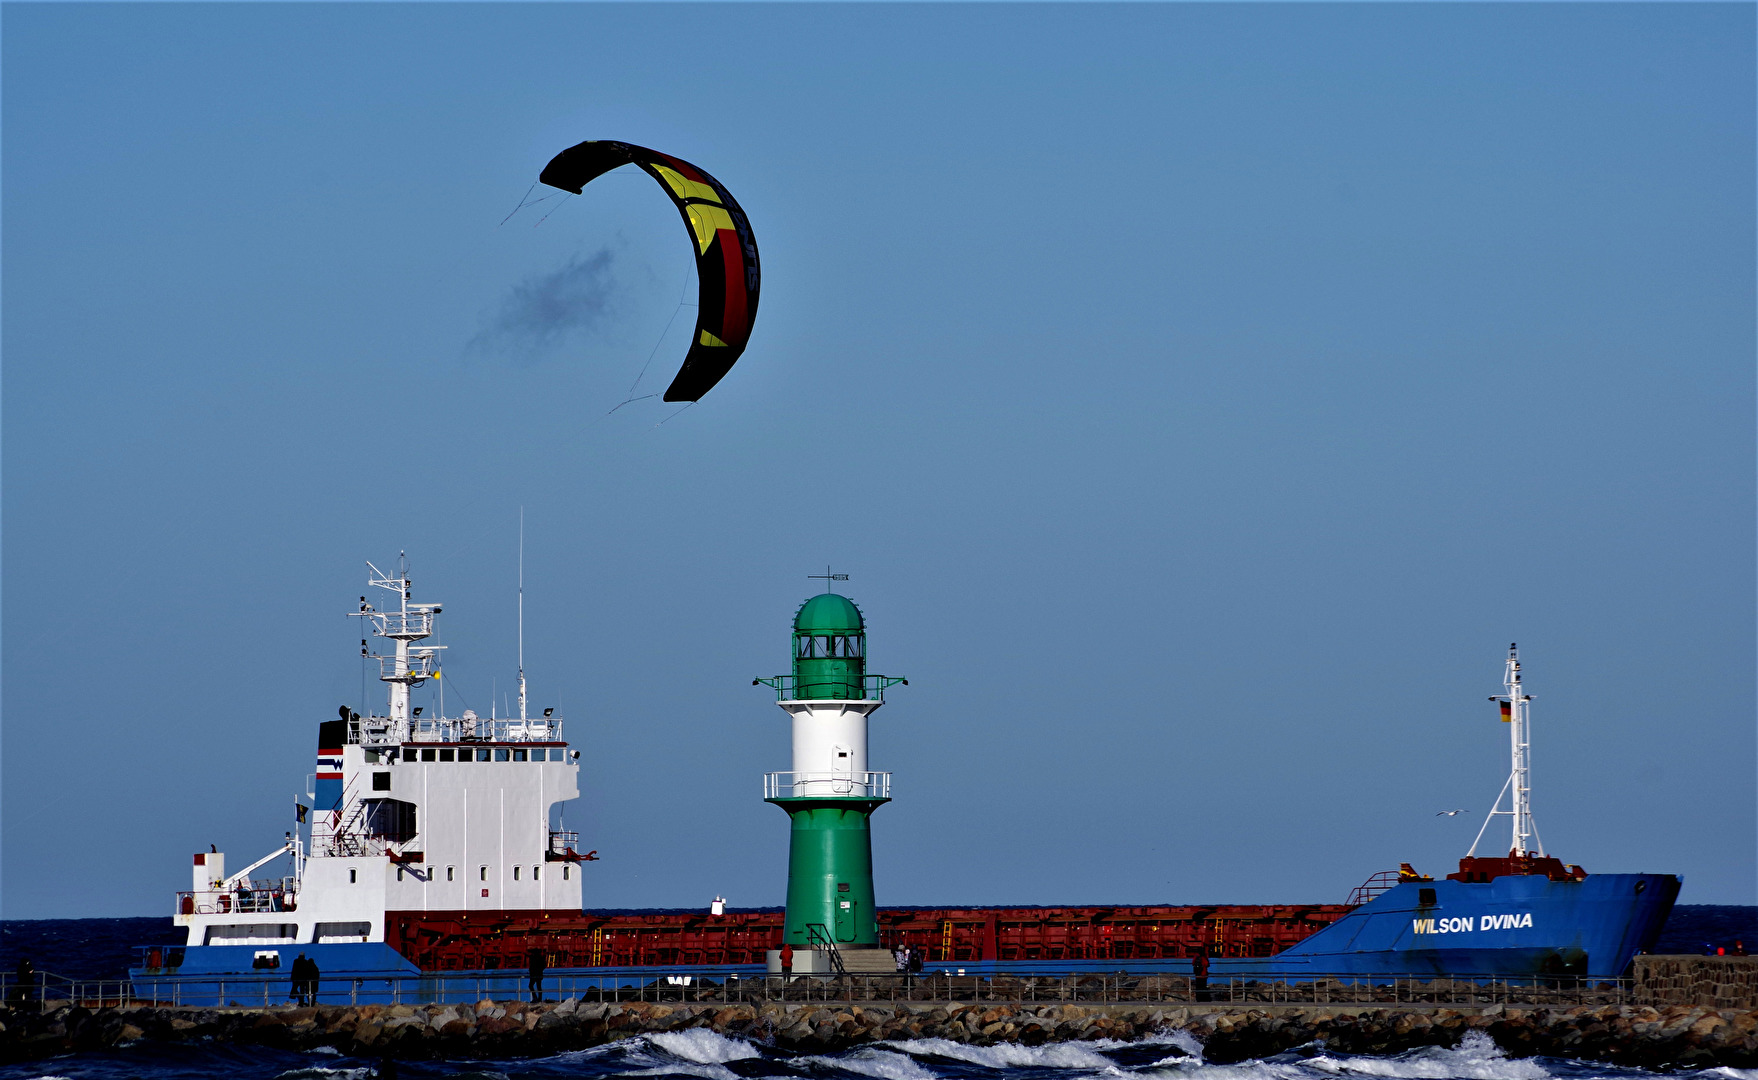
(522, 614)
(409, 623)
(1517, 711)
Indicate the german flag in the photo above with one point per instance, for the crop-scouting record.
(1507, 712)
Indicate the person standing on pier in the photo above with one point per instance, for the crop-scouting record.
(536, 972)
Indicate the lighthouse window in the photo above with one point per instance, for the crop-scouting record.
(500, 754)
(381, 781)
(445, 754)
(428, 755)
(518, 755)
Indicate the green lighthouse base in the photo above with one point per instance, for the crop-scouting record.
(830, 873)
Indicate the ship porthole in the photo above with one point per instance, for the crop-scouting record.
(1640, 885)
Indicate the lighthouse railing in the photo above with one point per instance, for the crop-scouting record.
(788, 687)
(804, 785)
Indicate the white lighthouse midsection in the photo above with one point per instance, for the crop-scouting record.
(830, 745)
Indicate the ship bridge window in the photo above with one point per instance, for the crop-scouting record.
(558, 754)
(518, 755)
(251, 933)
(429, 755)
(445, 754)
(482, 753)
(500, 754)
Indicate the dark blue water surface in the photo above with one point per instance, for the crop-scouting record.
(699, 1054)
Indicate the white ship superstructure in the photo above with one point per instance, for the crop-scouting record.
(407, 813)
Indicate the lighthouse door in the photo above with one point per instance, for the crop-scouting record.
(845, 920)
(842, 772)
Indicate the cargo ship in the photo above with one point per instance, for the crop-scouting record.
(432, 846)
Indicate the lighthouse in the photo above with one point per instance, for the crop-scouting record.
(830, 794)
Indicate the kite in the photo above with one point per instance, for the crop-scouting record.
(726, 252)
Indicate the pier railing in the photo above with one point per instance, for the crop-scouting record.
(49, 991)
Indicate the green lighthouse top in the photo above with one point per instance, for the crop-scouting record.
(828, 613)
(830, 655)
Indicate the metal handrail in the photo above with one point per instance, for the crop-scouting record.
(873, 687)
(268, 896)
(945, 982)
(382, 731)
(821, 785)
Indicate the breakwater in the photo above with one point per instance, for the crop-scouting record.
(1673, 1036)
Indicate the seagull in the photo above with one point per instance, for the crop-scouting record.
(1452, 813)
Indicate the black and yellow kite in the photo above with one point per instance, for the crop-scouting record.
(726, 252)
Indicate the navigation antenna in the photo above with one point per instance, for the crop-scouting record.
(1517, 711)
(521, 613)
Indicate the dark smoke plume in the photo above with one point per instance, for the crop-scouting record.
(545, 308)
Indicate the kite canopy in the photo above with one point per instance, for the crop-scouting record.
(726, 252)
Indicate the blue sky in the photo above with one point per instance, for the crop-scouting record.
(1200, 396)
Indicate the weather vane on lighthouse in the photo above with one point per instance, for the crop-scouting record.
(828, 577)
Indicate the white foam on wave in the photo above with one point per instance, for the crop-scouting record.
(1728, 1072)
(1066, 1055)
(685, 1068)
(703, 1046)
(691, 1052)
(872, 1061)
(1183, 1040)
(1194, 1068)
(1477, 1057)
(318, 1072)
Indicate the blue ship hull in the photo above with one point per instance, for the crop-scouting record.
(1514, 926)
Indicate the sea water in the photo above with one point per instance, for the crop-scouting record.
(700, 1054)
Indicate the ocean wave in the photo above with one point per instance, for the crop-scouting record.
(871, 1061)
(1194, 1068)
(702, 1046)
(1066, 1055)
(1477, 1057)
